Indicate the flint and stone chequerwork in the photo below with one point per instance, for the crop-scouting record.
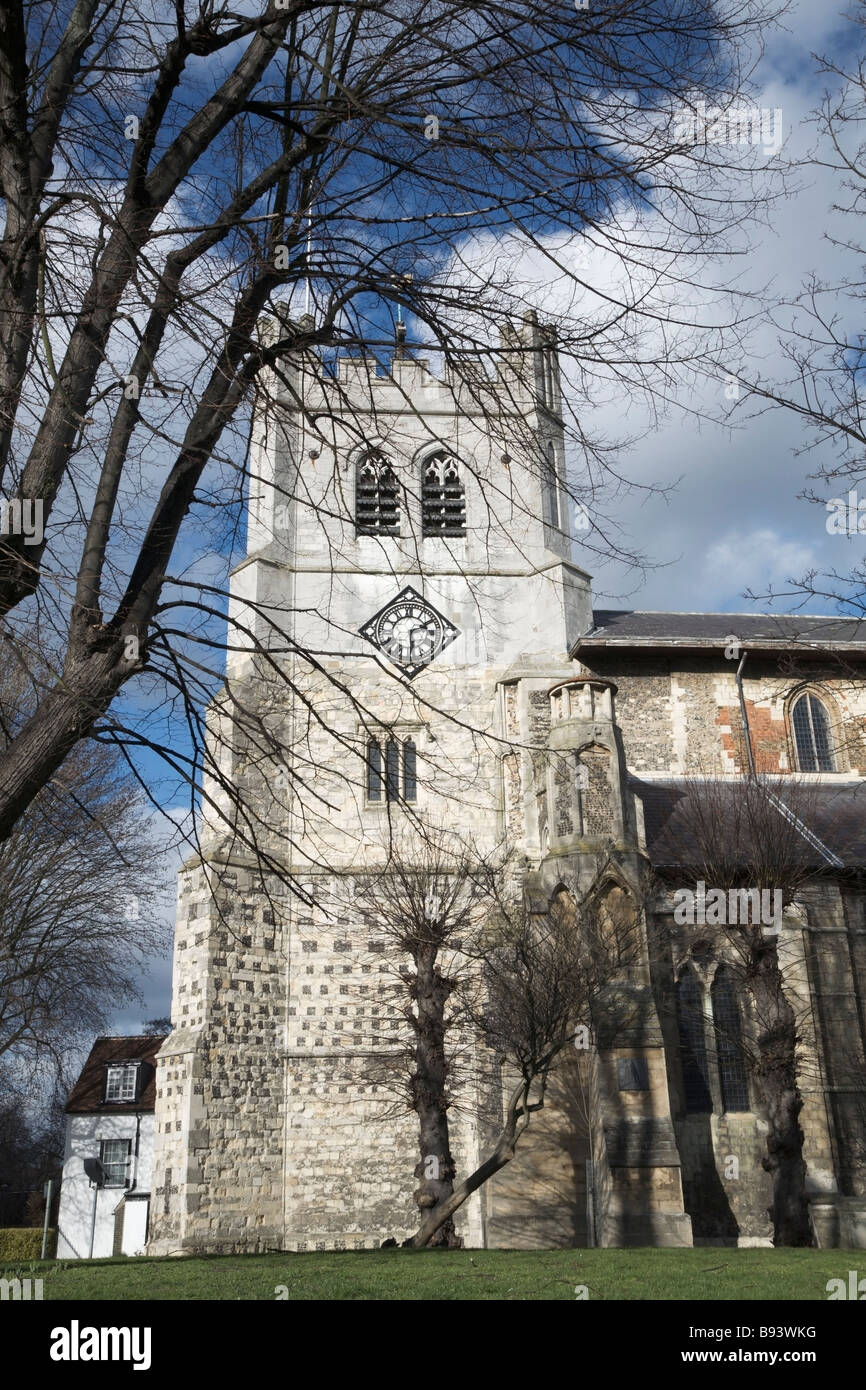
(531, 721)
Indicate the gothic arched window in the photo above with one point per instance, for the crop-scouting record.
(392, 770)
(812, 735)
(550, 489)
(729, 1043)
(693, 1044)
(377, 503)
(443, 499)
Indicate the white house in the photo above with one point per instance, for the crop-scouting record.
(105, 1196)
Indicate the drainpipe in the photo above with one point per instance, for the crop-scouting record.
(134, 1184)
(745, 718)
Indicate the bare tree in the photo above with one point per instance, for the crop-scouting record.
(492, 990)
(430, 904)
(545, 974)
(78, 914)
(752, 847)
(172, 173)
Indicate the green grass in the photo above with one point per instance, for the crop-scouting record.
(712, 1274)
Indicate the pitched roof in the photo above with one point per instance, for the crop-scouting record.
(88, 1093)
(613, 627)
(830, 819)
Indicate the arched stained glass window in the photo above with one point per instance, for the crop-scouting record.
(729, 1043)
(443, 498)
(812, 735)
(377, 502)
(693, 1044)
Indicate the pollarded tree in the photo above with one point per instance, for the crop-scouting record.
(492, 991)
(430, 904)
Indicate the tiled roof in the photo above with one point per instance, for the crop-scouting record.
(88, 1093)
(833, 816)
(626, 628)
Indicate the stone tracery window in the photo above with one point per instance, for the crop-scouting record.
(377, 501)
(693, 1044)
(729, 1043)
(443, 497)
(812, 735)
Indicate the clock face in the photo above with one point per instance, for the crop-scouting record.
(409, 632)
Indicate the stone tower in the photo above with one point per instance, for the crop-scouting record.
(402, 525)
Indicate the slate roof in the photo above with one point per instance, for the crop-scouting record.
(833, 815)
(87, 1095)
(614, 627)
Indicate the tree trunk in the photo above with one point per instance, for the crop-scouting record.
(442, 1214)
(64, 716)
(435, 1168)
(776, 1075)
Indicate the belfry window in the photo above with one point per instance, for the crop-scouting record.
(693, 1045)
(377, 502)
(729, 1043)
(443, 498)
(812, 735)
(392, 770)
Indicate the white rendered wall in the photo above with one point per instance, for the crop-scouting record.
(83, 1136)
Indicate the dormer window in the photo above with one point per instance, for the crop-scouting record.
(121, 1081)
(812, 735)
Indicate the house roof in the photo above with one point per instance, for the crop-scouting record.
(613, 627)
(87, 1095)
(828, 820)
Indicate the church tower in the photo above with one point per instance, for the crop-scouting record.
(410, 602)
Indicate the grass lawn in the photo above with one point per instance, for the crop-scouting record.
(713, 1274)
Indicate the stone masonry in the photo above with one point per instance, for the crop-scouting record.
(276, 1122)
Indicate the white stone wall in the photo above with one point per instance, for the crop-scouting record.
(275, 1126)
